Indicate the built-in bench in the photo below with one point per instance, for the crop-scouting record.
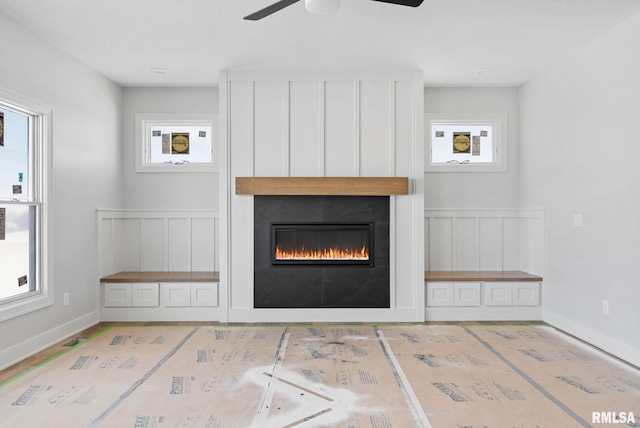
(130, 276)
(159, 296)
(493, 276)
(482, 296)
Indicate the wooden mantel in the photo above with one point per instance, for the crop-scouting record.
(340, 186)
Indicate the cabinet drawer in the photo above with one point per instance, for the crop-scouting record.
(204, 294)
(145, 294)
(117, 295)
(466, 294)
(526, 294)
(498, 293)
(176, 294)
(439, 294)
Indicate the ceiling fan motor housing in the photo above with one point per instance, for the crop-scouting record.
(322, 7)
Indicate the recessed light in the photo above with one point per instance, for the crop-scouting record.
(159, 71)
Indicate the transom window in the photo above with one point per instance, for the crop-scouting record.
(175, 142)
(466, 142)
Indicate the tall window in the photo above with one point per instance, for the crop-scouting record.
(24, 129)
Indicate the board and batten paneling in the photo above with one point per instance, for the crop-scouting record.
(287, 124)
(320, 128)
(157, 241)
(484, 240)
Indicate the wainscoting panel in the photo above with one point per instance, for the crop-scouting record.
(154, 245)
(376, 139)
(491, 243)
(341, 148)
(306, 154)
(157, 241)
(271, 129)
(470, 240)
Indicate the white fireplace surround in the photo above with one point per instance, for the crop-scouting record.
(322, 125)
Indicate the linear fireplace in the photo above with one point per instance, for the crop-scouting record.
(322, 244)
(321, 252)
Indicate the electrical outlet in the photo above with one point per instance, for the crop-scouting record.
(66, 299)
(605, 307)
(577, 220)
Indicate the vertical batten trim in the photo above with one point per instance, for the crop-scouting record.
(454, 243)
(392, 252)
(165, 244)
(189, 233)
(225, 185)
(286, 131)
(141, 228)
(501, 221)
(251, 111)
(477, 243)
(392, 128)
(356, 128)
(321, 129)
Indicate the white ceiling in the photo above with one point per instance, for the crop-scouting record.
(449, 40)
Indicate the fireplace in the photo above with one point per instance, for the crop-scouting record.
(322, 244)
(321, 252)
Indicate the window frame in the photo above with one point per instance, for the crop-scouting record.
(40, 124)
(497, 121)
(143, 122)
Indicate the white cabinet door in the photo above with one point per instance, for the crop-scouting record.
(497, 293)
(117, 295)
(145, 294)
(176, 294)
(204, 294)
(439, 294)
(466, 294)
(526, 294)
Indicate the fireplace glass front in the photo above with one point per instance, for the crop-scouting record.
(322, 244)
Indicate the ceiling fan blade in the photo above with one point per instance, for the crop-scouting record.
(412, 3)
(270, 9)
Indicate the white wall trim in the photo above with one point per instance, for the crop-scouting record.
(514, 239)
(614, 347)
(29, 347)
(190, 248)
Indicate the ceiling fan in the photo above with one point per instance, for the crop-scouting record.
(318, 6)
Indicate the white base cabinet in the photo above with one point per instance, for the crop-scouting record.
(160, 301)
(483, 301)
(131, 295)
(184, 294)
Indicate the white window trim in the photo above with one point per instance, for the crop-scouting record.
(499, 122)
(144, 120)
(41, 156)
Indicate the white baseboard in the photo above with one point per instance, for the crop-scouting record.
(614, 347)
(29, 347)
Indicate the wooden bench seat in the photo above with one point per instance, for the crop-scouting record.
(133, 276)
(480, 276)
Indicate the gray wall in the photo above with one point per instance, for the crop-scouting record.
(483, 190)
(579, 155)
(86, 174)
(166, 191)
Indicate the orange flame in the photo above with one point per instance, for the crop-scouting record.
(324, 254)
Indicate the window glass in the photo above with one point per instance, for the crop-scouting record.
(14, 155)
(466, 142)
(175, 142)
(19, 205)
(179, 144)
(17, 250)
(462, 143)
